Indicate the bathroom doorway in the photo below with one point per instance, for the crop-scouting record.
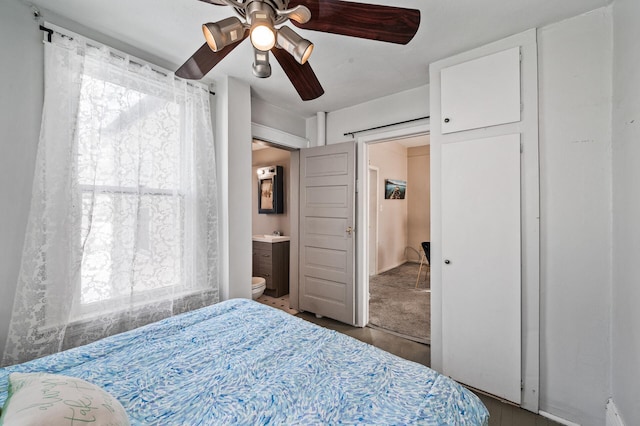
(271, 230)
(399, 290)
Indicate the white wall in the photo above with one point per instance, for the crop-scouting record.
(233, 158)
(21, 94)
(390, 109)
(626, 210)
(272, 116)
(575, 203)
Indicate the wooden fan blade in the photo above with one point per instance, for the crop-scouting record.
(302, 76)
(216, 2)
(370, 21)
(201, 62)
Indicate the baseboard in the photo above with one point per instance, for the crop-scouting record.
(612, 416)
(404, 336)
(381, 271)
(557, 419)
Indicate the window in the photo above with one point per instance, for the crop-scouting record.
(130, 172)
(123, 220)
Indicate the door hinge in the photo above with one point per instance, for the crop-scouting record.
(521, 147)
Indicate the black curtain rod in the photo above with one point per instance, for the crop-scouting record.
(49, 32)
(386, 125)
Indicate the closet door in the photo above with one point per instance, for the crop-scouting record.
(481, 296)
(489, 87)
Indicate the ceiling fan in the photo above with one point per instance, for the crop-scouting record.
(258, 20)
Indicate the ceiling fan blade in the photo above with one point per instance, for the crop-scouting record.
(302, 76)
(369, 21)
(216, 2)
(201, 62)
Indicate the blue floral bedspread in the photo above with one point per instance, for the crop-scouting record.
(240, 362)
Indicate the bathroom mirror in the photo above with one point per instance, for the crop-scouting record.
(270, 190)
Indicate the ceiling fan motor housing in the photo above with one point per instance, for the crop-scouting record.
(274, 4)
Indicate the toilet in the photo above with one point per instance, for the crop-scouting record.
(258, 284)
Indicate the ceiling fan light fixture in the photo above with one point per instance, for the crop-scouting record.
(260, 17)
(261, 66)
(300, 48)
(223, 33)
(262, 37)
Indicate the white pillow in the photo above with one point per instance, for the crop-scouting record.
(51, 399)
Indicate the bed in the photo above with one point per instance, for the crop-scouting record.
(241, 362)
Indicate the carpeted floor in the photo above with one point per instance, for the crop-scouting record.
(397, 306)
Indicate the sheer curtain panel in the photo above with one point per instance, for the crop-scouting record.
(123, 223)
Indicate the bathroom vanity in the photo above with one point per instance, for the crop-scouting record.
(271, 262)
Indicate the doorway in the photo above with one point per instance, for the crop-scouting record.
(398, 222)
(273, 229)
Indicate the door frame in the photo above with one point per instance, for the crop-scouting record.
(292, 143)
(362, 210)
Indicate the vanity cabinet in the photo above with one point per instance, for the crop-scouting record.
(271, 262)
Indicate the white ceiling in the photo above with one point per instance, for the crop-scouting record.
(351, 70)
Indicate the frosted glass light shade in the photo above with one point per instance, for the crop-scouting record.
(262, 37)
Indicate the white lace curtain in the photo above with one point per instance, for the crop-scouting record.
(123, 223)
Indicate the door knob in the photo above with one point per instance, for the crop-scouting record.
(447, 261)
(349, 230)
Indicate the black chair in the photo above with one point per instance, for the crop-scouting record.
(426, 256)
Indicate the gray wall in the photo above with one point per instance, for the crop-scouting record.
(21, 92)
(575, 216)
(626, 210)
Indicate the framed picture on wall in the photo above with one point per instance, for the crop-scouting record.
(394, 189)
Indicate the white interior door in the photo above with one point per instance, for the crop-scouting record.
(327, 207)
(481, 274)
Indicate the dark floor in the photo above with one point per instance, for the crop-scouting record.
(502, 414)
